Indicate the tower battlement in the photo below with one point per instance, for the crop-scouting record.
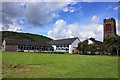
(109, 20)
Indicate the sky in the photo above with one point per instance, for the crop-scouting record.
(59, 20)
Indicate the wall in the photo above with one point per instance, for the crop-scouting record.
(70, 49)
(111, 29)
(90, 42)
(12, 48)
(3, 45)
(54, 46)
(73, 45)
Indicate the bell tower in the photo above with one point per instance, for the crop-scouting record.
(109, 27)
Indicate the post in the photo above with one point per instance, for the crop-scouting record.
(118, 52)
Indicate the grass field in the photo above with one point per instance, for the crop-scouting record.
(36, 65)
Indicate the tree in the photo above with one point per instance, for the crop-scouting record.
(92, 47)
(112, 44)
(82, 46)
(24, 36)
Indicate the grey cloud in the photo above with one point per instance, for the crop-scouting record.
(10, 12)
(38, 13)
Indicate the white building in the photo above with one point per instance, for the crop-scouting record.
(65, 45)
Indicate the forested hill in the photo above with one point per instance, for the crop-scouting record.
(24, 36)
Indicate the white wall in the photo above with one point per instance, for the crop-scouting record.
(3, 44)
(90, 42)
(70, 49)
(54, 46)
(73, 45)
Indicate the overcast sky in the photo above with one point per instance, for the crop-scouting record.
(59, 20)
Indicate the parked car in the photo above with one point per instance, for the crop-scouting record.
(109, 53)
(114, 53)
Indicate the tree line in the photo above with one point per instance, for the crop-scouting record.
(109, 45)
(24, 36)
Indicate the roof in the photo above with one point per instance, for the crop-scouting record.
(96, 42)
(23, 42)
(63, 41)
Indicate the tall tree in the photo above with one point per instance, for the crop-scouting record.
(82, 46)
(112, 44)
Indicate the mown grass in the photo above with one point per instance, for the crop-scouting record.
(60, 65)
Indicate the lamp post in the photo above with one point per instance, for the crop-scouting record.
(82, 49)
(118, 51)
(98, 49)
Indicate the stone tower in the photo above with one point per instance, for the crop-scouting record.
(109, 27)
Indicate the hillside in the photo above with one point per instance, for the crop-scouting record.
(24, 36)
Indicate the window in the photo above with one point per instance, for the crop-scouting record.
(18, 46)
(24, 47)
(37, 48)
(21, 47)
(67, 45)
(32, 48)
(3, 46)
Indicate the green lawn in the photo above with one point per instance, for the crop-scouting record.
(58, 65)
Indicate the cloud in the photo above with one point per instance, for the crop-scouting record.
(0, 27)
(95, 19)
(116, 8)
(59, 30)
(10, 27)
(10, 12)
(39, 13)
(69, 9)
(118, 27)
(21, 22)
(109, 7)
(62, 30)
(86, 31)
(36, 13)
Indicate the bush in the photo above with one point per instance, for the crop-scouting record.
(10, 65)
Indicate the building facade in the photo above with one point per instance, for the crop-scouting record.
(109, 27)
(65, 45)
(25, 46)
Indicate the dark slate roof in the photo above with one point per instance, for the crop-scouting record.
(23, 42)
(63, 41)
(96, 42)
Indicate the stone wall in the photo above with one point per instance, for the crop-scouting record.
(109, 27)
